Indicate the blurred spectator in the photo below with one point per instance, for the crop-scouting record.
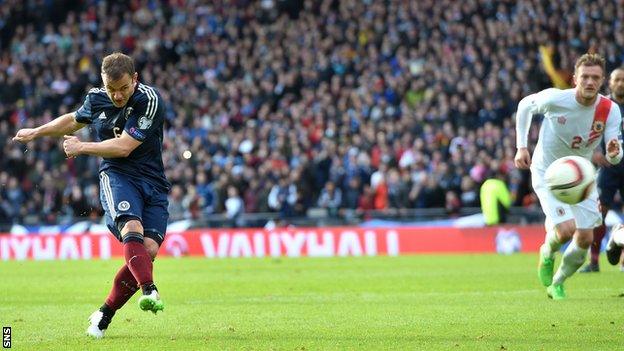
(78, 204)
(469, 196)
(176, 207)
(366, 202)
(234, 207)
(283, 197)
(453, 204)
(330, 199)
(352, 194)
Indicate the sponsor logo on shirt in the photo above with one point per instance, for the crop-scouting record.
(136, 133)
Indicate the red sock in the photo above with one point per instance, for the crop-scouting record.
(599, 233)
(139, 262)
(124, 286)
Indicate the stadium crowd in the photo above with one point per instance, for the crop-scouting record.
(287, 105)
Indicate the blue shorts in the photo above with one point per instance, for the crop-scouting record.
(125, 198)
(610, 181)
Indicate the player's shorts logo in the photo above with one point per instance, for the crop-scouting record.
(560, 211)
(123, 206)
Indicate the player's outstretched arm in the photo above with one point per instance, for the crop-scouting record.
(110, 148)
(65, 124)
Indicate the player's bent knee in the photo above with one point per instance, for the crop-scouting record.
(585, 238)
(566, 230)
(133, 225)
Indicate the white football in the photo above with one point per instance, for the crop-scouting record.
(570, 179)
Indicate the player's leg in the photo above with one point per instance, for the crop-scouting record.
(155, 218)
(125, 198)
(115, 202)
(555, 238)
(150, 300)
(587, 217)
(122, 204)
(595, 247)
(138, 259)
(573, 258)
(559, 227)
(124, 286)
(607, 184)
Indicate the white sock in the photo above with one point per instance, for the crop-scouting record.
(573, 259)
(551, 244)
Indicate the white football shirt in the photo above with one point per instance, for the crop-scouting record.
(568, 128)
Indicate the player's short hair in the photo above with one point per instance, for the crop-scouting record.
(591, 59)
(115, 65)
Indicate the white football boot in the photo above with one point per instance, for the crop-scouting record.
(98, 324)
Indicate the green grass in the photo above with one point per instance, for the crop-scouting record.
(459, 302)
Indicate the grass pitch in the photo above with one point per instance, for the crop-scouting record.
(458, 302)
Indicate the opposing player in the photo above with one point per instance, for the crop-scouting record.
(610, 177)
(574, 123)
(128, 118)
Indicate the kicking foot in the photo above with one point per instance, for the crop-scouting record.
(614, 250)
(556, 292)
(590, 268)
(545, 269)
(151, 302)
(98, 322)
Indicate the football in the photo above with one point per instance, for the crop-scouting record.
(570, 179)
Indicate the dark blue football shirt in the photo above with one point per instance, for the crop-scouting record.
(142, 118)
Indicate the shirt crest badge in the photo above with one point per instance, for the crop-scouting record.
(561, 120)
(598, 126)
(128, 112)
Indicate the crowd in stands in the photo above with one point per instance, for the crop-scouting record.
(283, 106)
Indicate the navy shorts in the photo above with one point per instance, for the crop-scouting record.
(125, 198)
(610, 181)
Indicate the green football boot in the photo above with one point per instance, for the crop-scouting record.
(545, 269)
(556, 292)
(151, 302)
